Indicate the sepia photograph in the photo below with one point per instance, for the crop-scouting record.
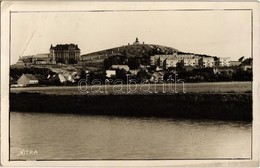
(126, 83)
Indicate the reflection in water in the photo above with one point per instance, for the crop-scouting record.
(67, 136)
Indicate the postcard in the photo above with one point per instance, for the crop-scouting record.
(130, 84)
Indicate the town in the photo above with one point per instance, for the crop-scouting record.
(64, 65)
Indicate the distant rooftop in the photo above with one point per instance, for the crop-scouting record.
(65, 46)
(30, 76)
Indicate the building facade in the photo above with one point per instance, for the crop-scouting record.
(206, 62)
(192, 61)
(65, 53)
(235, 63)
(223, 61)
(167, 60)
(27, 79)
(170, 63)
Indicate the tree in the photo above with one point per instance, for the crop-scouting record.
(121, 74)
(241, 59)
(107, 64)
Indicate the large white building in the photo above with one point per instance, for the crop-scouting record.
(187, 59)
(182, 56)
(167, 61)
(223, 61)
(191, 61)
(159, 59)
(170, 62)
(206, 62)
(154, 60)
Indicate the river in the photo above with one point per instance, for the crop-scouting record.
(46, 136)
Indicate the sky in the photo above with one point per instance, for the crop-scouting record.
(219, 33)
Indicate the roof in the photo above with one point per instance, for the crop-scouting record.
(120, 66)
(27, 56)
(172, 58)
(158, 73)
(64, 46)
(30, 76)
(43, 55)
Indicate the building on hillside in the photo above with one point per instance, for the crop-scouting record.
(136, 41)
(58, 78)
(223, 61)
(246, 67)
(43, 59)
(181, 56)
(27, 79)
(156, 76)
(188, 68)
(170, 62)
(65, 53)
(159, 59)
(154, 60)
(235, 63)
(222, 70)
(25, 60)
(110, 73)
(115, 67)
(92, 57)
(20, 62)
(191, 61)
(206, 62)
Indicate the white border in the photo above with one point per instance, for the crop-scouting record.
(8, 6)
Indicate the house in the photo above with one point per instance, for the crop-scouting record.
(160, 58)
(115, 67)
(27, 79)
(223, 70)
(181, 56)
(20, 62)
(133, 72)
(110, 73)
(246, 67)
(188, 68)
(189, 61)
(43, 58)
(25, 60)
(154, 59)
(235, 63)
(206, 62)
(156, 76)
(39, 61)
(170, 62)
(65, 53)
(223, 61)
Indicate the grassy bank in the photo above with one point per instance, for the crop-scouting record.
(218, 106)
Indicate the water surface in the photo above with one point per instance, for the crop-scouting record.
(67, 137)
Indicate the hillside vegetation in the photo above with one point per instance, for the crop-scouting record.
(135, 50)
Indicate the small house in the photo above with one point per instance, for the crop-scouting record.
(27, 79)
(156, 76)
(246, 67)
(110, 73)
(115, 67)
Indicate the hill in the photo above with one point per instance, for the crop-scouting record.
(134, 53)
(135, 50)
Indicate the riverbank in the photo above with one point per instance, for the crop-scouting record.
(216, 106)
(214, 87)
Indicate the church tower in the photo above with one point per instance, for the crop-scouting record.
(136, 41)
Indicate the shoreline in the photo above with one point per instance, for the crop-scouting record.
(216, 87)
(215, 106)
